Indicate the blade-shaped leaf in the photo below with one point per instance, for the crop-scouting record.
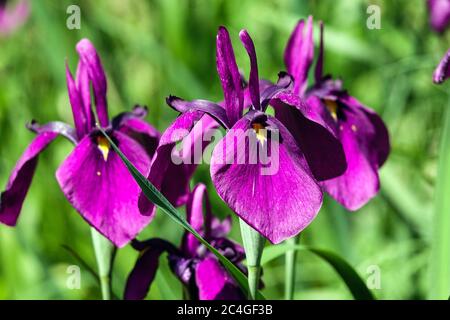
(156, 197)
(351, 278)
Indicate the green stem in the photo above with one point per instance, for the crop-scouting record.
(440, 247)
(253, 246)
(105, 252)
(290, 268)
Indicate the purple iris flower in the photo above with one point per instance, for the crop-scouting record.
(361, 131)
(12, 17)
(197, 268)
(280, 204)
(442, 71)
(92, 177)
(439, 11)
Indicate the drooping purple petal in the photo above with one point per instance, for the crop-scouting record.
(278, 197)
(91, 60)
(230, 77)
(379, 143)
(97, 184)
(299, 54)
(78, 110)
(214, 283)
(360, 181)
(144, 271)
(254, 77)
(314, 130)
(199, 217)
(212, 109)
(439, 11)
(19, 182)
(442, 71)
(61, 128)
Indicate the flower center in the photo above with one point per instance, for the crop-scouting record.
(104, 146)
(332, 108)
(260, 131)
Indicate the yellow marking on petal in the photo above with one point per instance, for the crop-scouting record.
(354, 128)
(260, 131)
(332, 107)
(99, 173)
(104, 146)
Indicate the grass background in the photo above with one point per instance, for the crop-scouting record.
(151, 49)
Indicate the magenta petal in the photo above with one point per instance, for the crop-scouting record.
(313, 128)
(91, 60)
(360, 182)
(439, 11)
(214, 283)
(299, 54)
(103, 191)
(13, 17)
(278, 202)
(19, 182)
(230, 77)
(254, 77)
(84, 88)
(442, 71)
(142, 132)
(195, 217)
(78, 110)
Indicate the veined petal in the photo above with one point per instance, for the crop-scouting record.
(299, 54)
(19, 182)
(214, 283)
(91, 60)
(229, 77)
(278, 197)
(314, 130)
(442, 71)
(97, 184)
(254, 77)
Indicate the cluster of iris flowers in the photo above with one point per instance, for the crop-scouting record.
(326, 141)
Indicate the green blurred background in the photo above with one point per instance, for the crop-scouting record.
(151, 49)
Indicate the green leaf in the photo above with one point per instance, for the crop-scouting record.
(158, 199)
(351, 278)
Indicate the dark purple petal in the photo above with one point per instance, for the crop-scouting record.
(19, 182)
(78, 109)
(279, 197)
(84, 89)
(439, 14)
(442, 71)
(299, 54)
(132, 124)
(284, 83)
(360, 181)
(144, 271)
(230, 77)
(379, 144)
(171, 178)
(212, 109)
(254, 77)
(97, 184)
(314, 130)
(319, 65)
(196, 218)
(91, 61)
(214, 283)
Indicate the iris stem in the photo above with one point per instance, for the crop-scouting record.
(253, 246)
(290, 268)
(105, 253)
(440, 246)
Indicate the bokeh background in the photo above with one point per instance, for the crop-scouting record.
(151, 49)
